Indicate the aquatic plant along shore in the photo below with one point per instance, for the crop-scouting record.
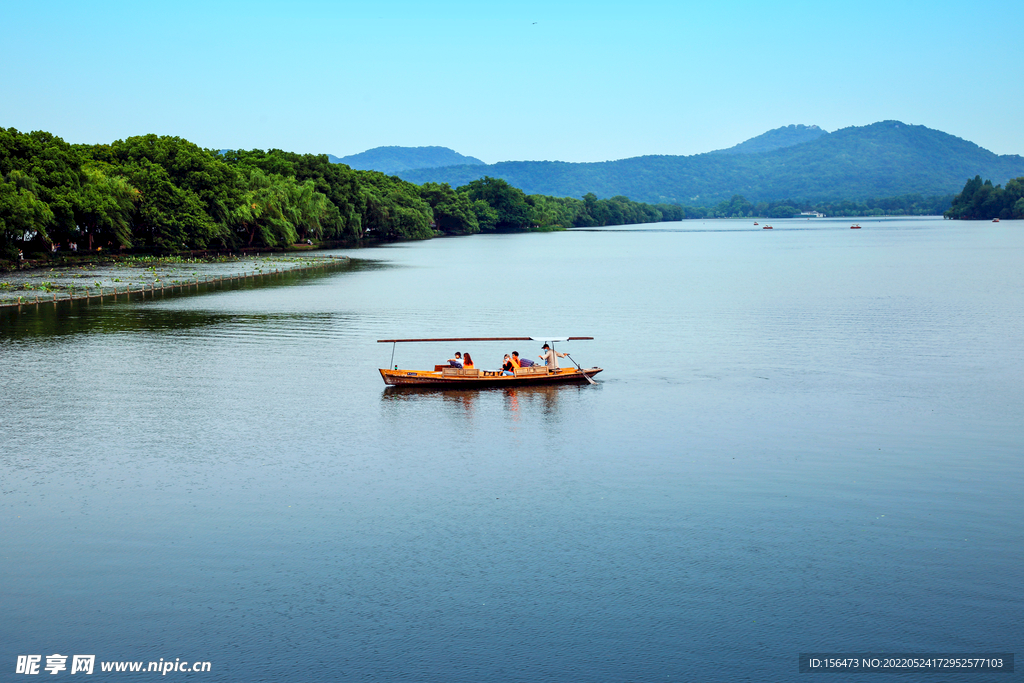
(87, 280)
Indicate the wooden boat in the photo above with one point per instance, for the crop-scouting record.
(443, 376)
(995, 220)
(766, 227)
(855, 226)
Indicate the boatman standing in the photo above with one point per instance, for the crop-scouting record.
(550, 357)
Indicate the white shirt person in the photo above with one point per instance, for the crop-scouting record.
(550, 357)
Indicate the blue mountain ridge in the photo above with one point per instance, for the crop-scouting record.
(392, 160)
(884, 159)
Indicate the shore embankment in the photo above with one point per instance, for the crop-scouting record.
(96, 279)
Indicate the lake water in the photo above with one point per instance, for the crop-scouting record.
(804, 439)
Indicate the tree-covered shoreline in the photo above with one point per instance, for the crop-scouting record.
(906, 205)
(983, 201)
(166, 194)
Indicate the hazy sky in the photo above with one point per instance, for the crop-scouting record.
(574, 81)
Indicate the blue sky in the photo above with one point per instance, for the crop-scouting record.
(572, 81)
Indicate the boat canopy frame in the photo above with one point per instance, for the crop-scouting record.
(469, 339)
(551, 340)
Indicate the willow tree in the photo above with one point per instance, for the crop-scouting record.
(23, 216)
(275, 210)
(311, 212)
(337, 183)
(260, 212)
(104, 206)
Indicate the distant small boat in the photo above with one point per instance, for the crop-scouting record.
(995, 220)
(767, 227)
(755, 222)
(855, 226)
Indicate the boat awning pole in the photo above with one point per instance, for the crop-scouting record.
(469, 339)
(393, 345)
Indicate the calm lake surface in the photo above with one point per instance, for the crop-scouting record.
(804, 439)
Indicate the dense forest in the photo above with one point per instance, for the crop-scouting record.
(886, 159)
(983, 201)
(167, 194)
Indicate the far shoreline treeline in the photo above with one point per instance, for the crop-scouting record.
(906, 205)
(168, 195)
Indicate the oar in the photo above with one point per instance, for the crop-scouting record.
(585, 375)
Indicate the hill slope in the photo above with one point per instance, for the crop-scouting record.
(787, 136)
(392, 160)
(883, 159)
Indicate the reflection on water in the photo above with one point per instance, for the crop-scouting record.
(542, 398)
(152, 311)
(86, 319)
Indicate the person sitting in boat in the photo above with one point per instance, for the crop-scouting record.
(508, 367)
(550, 357)
(521, 362)
(457, 361)
(467, 360)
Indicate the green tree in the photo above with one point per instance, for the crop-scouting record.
(552, 213)
(170, 217)
(509, 202)
(392, 208)
(337, 182)
(453, 211)
(187, 166)
(104, 207)
(981, 200)
(486, 217)
(275, 210)
(56, 171)
(23, 216)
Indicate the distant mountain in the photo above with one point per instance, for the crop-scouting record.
(787, 136)
(883, 159)
(392, 160)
